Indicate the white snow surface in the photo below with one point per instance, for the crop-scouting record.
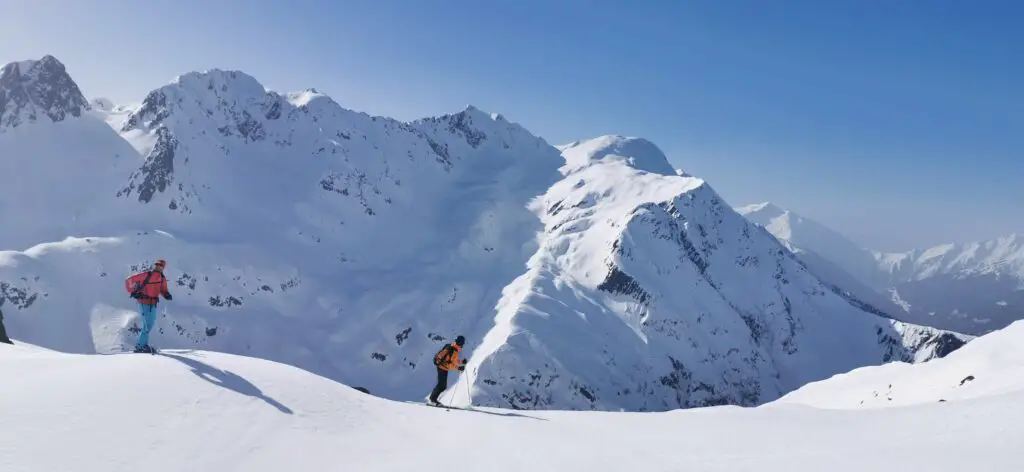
(990, 366)
(637, 153)
(958, 282)
(354, 246)
(204, 411)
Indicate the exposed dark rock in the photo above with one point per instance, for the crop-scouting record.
(32, 90)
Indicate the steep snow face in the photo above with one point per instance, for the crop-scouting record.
(209, 411)
(990, 365)
(57, 179)
(33, 91)
(649, 293)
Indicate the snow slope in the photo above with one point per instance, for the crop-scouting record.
(970, 288)
(648, 293)
(204, 411)
(354, 246)
(990, 366)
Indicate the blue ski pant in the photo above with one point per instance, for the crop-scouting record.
(148, 313)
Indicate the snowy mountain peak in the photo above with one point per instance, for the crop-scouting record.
(764, 209)
(477, 128)
(637, 153)
(237, 82)
(37, 90)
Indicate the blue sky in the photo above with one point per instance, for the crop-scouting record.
(899, 124)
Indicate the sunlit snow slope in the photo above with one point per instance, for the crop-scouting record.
(991, 365)
(649, 293)
(203, 411)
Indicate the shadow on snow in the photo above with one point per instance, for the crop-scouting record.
(226, 379)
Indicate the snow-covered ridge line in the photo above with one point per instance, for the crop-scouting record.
(617, 240)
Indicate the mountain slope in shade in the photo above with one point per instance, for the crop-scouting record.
(971, 288)
(355, 246)
(209, 411)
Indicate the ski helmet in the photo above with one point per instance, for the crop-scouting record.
(460, 340)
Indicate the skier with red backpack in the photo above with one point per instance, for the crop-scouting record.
(147, 287)
(446, 359)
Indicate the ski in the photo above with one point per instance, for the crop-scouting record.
(446, 407)
(153, 351)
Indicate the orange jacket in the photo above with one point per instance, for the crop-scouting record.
(453, 361)
(148, 291)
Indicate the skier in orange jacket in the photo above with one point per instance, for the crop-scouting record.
(147, 287)
(446, 359)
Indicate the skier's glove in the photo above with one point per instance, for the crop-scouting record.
(135, 295)
(462, 367)
(167, 296)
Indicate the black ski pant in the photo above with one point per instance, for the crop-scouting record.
(3, 332)
(442, 383)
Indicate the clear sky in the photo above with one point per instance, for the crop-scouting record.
(897, 123)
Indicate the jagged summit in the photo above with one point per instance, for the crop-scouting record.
(36, 90)
(638, 153)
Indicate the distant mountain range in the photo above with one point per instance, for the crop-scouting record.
(970, 288)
